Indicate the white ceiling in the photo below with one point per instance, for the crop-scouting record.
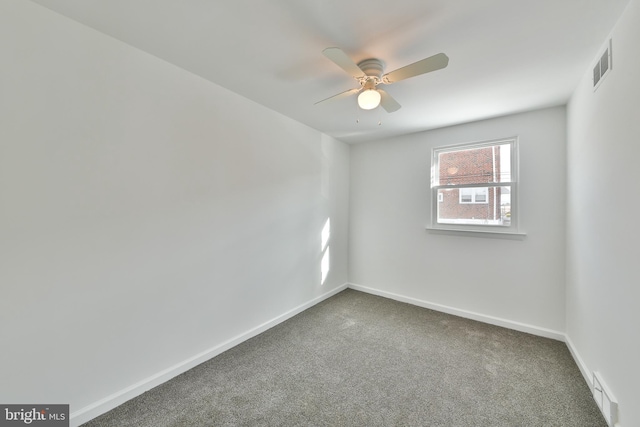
(505, 56)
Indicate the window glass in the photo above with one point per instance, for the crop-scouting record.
(473, 184)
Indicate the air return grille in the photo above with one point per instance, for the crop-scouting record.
(602, 67)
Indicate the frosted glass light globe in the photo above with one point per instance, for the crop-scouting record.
(369, 99)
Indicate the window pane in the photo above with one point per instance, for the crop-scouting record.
(475, 205)
(478, 165)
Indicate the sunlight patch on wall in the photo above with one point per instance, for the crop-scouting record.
(324, 266)
(325, 263)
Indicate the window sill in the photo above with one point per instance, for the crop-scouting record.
(510, 235)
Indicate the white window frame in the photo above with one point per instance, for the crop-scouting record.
(513, 227)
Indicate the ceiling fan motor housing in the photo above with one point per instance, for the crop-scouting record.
(372, 67)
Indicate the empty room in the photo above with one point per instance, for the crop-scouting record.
(305, 212)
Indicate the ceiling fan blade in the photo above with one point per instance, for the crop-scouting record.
(426, 65)
(340, 95)
(343, 61)
(387, 102)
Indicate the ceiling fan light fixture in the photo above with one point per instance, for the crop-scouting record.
(369, 73)
(369, 99)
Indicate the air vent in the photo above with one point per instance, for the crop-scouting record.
(605, 400)
(602, 66)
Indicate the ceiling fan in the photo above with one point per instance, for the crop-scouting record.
(369, 74)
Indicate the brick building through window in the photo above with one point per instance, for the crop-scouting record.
(473, 185)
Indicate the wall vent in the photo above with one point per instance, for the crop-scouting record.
(605, 400)
(603, 66)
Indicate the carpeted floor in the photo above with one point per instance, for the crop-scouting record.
(362, 360)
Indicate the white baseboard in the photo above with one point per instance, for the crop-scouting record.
(110, 402)
(587, 374)
(510, 324)
(522, 327)
(581, 365)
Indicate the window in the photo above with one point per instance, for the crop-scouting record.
(474, 186)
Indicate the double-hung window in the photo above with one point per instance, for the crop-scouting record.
(474, 186)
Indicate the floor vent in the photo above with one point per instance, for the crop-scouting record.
(602, 67)
(605, 400)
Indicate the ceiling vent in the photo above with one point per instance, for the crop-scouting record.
(602, 67)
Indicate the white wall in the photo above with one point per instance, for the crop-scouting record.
(521, 281)
(603, 309)
(146, 215)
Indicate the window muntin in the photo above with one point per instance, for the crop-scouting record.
(474, 186)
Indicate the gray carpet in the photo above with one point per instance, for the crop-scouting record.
(361, 360)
